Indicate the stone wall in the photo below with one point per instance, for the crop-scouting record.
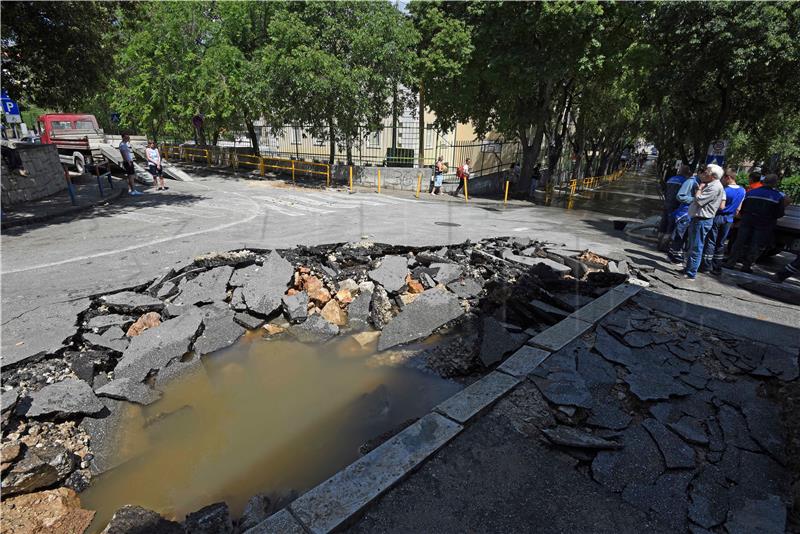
(45, 175)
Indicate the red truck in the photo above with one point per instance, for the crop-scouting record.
(77, 136)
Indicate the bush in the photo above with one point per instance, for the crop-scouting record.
(790, 185)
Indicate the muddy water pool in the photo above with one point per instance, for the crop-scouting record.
(259, 417)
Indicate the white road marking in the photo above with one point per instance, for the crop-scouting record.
(145, 217)
(292, 205)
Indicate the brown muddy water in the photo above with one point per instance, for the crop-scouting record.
(261, 416)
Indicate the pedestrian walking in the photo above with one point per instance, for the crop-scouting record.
(791, 269)
(154, 165)
(463, 175)
(714, 249)
(438, 176)
(671, 188)
(535, 177)
(709, 198)
(126, 152)
(681, 220)
(761, 208)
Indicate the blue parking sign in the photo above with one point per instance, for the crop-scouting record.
(10, 107)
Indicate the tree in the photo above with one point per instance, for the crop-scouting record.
(332, 66)
(56, 54)
(717, 67)
(501, 65)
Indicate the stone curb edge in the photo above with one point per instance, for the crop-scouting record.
(71, 210)
(339, 499)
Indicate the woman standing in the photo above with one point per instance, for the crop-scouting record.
(438, 175)
(154, 165)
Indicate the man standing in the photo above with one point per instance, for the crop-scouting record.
(755, 179)
(761, 208)
(535, 177)
(127, 162)
(681, 219)
(667, 224)
(714, 250)
(463, 175)
(710, 197)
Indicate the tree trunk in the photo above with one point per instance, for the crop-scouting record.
(251, 133)
(332, 142)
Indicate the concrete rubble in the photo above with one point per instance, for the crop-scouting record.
(128, 345)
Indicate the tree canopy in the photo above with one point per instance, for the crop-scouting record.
(570, 81)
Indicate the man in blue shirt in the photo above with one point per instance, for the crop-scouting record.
(761, 209)
(671, 188)
(714, 250)
(681, 219)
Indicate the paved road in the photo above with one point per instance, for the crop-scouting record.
(132, 241)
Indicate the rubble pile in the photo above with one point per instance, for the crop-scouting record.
(490, 296)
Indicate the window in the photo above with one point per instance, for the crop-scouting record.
(320, 141)
(429, 135)
(84, 125)
(374, 140)
(296, 136)
(61, 125)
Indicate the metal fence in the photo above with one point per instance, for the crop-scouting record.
(390, 146)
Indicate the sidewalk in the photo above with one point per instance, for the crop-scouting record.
(87, 196)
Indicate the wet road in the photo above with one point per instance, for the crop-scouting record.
(637, 195)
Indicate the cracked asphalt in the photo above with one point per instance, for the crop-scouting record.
(47, 268)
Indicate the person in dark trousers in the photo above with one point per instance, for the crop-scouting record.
(463, 175)
(709, 198)
(761, 208)
(535, 177)
(791, 269)
(127, 163)
(681, 220)
(714, 250)
(671, 188)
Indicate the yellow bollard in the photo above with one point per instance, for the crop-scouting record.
(466, 190)
(379, 181)
(505, 196)
(261, 166)
(208, 156)
(351, 178)
(328, 176)
(419, 183)
(293, 173)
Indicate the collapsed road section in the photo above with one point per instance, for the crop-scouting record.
(452, 313)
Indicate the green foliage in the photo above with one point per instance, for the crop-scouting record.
(791, 186)
(55, 54)
(333, 66)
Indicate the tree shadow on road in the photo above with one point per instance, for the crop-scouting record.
(124, 204)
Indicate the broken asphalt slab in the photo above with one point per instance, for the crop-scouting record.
(432, 309)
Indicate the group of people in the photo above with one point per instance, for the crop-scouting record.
(700, 211)
(154, 167)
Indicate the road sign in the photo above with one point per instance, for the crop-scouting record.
(115, 117)
(10, 109)
(491, 147)
(716, 152)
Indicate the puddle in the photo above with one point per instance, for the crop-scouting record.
(261, 416)
(634, 196)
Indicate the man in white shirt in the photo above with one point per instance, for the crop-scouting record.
(127, 162)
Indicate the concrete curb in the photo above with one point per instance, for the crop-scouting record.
(69, 210)
(335, 502)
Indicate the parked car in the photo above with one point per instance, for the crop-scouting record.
(31, 138)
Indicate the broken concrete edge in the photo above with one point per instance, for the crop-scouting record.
(340, 499)
(605, 303)
(477, 397)
(337, 501)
